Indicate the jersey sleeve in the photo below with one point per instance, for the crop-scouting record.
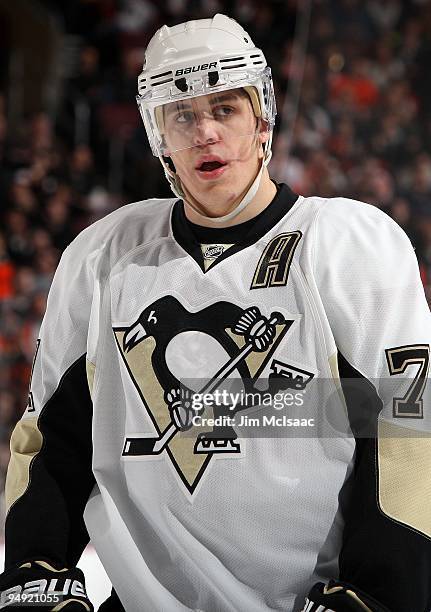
(368, 279)
(49, 476)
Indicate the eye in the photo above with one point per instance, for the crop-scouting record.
(223, 111)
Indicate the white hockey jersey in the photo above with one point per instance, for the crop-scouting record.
(221, 518)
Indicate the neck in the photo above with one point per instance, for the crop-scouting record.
(264, 196)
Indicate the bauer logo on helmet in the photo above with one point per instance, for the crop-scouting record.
(189, 69)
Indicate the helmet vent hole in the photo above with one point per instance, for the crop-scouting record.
(181, 84)
(231, 59)
(212, 78)
(236, 66)
(162, 74)
(163, 82)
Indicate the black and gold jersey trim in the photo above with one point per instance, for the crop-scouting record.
(376, 543)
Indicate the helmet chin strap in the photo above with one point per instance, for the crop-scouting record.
(177, 188)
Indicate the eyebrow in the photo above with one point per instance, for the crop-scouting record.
(184, 104)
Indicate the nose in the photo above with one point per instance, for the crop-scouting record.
(205, 131)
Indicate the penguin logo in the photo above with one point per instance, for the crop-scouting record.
(168, 344)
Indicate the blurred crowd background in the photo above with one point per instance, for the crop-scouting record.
(354, 98)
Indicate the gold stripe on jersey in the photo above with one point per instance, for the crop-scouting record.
(25, 443)
(333, 364)
(91, 370)
(404, 464)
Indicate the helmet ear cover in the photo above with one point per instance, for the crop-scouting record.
(254, 98)
(160, 119)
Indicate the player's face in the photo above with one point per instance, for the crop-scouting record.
(215, 143)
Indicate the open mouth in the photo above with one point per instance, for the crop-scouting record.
(210, 166)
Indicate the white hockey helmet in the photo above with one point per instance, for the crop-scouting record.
(197, 58)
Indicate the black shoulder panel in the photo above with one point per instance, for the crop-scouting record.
(46, 522)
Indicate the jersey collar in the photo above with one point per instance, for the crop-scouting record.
(190, 236)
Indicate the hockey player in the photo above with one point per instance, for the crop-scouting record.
(234, 277)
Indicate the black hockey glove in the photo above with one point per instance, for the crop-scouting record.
(112, 604)
(43, 587)
(340, 597)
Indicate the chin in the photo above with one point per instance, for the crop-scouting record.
(219, 191)
(218, 195)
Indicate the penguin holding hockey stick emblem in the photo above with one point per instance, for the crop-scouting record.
(199, 345)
